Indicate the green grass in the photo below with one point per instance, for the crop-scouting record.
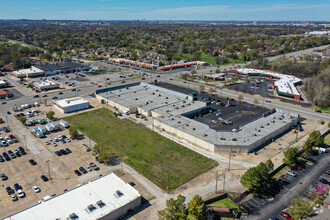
(325, 109)
(162, 161)
(225, 203)
(327, 139)
(5, 42)
(211, 59)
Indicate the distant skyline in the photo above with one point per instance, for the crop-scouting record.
(220, 10)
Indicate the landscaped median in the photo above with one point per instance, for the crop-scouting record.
(162, 161)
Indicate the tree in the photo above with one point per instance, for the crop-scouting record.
(193, 72)
(300, 208)
(256, 179)
(206, 80)
(239, 98)
(291, 156)
(316, 139)
(196, 207)
(185, 76)
(211, 90)
(22, 119)
(308, 146)
(50, 115)
(220, 59)
(201, 88)
(175, 209)
(73, 132)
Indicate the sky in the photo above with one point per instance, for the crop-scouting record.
(221, 10)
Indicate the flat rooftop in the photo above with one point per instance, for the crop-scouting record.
(42, 83)
(70, 102)
(110, 189)
(59, 66)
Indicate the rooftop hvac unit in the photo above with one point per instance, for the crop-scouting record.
(134, 91)
(100, 203)
(194, 129)
(179, 122)
(166, 97)
(118, 95)
(172, 119)
(159, 95)
(166, 103)
(136, 98)
(205, 135)
(153, 93)
(222, 138)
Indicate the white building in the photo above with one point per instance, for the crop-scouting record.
(29, 73)
(107, 197)
(45, 85)
(71, 105)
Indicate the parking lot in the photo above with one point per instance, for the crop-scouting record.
(300, 185)
(263, 87)
(59, 170)
(222, 117)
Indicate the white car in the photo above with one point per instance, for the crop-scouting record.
(89, 168)
(56, 139)
(87, 149)
(291, 173)
(20, 193)
(36, 189)
(13, 197)
(46, 142)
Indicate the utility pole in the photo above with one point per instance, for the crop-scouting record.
(7, 121)
(296, 135)
(47, 161)
(216, 182)
(122, 169)
(25, 142)
(224, 182)
(229, 159)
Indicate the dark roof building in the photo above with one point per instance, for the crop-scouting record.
(64, 67)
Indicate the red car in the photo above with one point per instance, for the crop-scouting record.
(143, 78)
(286, 215)
(158, 76)
(327, 172)
(99, 86)
(131, 183)
(268, 101)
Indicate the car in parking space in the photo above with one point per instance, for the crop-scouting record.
(6, 156)
(21, 150)
(87, 149)
(3, 177)
(60, 93)
(54, 144)
(68, 140)
(327, 172)
(44, 178)
(131, 183)
(89, 168)
(2, 103)
(58, 153)
(77, 172)
(36, 96)
(32, 162)
(20, 193)
(13, 197)
(291, 173)
(8, 112)
(36, 189)
(45, 96)
(73, 90)
(1, 159)
(56, 139)
(9, 190)
(67, 150)
(324, 181)
(54, 97)
(17, 186)
(63, 141)
(11, 154)
(17, 153)
(94, 166)
(82, 169)
(286, 215)
(46, 142)
(63, 151)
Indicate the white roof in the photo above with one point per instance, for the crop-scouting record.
(2, 82)
(31, 70)
(71, 102)
(285, 84)
(78, 199)
(41, 83)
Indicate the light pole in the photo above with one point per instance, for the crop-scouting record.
(25, 142)
(47, 161)
(216, 183)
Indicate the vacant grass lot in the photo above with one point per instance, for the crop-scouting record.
(211, 59)
(164, 162)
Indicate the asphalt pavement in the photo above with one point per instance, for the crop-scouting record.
(294, 187)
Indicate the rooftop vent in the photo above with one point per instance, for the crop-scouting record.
(234, 139)
(179, 122)
(222, 138)
(73, 216)
(205, 135)
(118, 95)
(261, 126)
(166, 97)
(194, 129)
(118, 194)
(91, 208)
(134, 91)
(159, 95)
(136, 98)
(172, 119)
(153, 93)
(100, 203)
(254, 135)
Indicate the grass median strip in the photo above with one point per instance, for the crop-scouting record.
(162, 161)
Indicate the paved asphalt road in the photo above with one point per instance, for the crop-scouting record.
(298, 187)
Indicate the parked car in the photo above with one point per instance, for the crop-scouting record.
(67, 150)
(81, 169)
(89, 168)
(291, 173)
(87, 149)
(94, 166)
(20, 193)
(44, 178)
(9, 190)
(17, 186)
(286, 215)
(77, 172)
(13, 197)
(32, 162)
(36, 189)
(3, 177)
(58, 153)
